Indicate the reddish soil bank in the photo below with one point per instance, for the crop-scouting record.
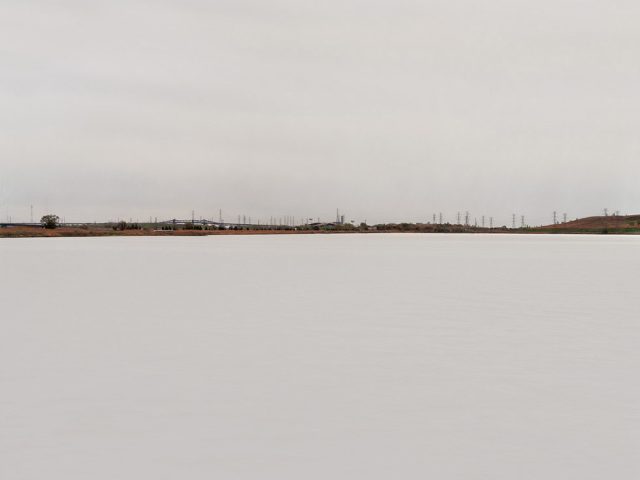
(601, 224)
(31, 232)
(629, 224)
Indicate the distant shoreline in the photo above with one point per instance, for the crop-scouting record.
(591, 226)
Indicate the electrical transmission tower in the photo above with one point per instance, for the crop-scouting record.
(513, 220)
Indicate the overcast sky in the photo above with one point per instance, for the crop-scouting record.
(390, 110)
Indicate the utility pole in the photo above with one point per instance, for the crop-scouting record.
(434, 218)
(522, 221)
(564, 218)
(466, 219)
(606, 212)
(555, 218)
(513, 220)
(458, 218)
(490, 222)
(440, 218)
(482, 221)
(31, 213)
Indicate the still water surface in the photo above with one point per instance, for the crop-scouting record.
(317, 357)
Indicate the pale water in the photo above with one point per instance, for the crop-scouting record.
(320, 357)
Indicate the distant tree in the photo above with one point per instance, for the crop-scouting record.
(50, 221)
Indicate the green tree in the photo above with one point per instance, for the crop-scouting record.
(50, 221)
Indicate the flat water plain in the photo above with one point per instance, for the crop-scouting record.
(320, 356)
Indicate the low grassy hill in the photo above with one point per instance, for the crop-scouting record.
(601, 224)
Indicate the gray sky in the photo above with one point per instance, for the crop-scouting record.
(390, 110)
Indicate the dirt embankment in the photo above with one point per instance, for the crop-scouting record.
(629, 224)
(601, 224)
(35, 232)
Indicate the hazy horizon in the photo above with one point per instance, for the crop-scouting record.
(389, 111)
